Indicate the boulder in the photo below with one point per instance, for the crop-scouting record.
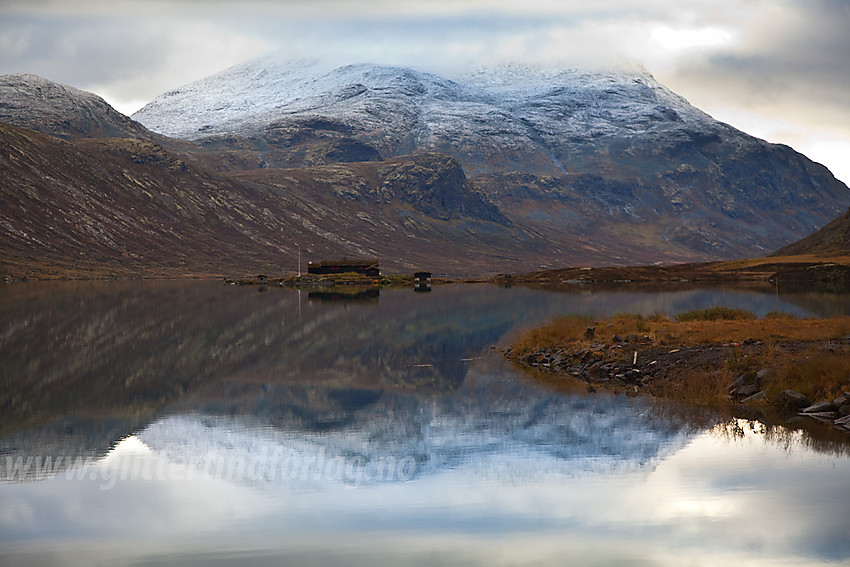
(746, 391)
(633, 375)
(599, 370)
(842, 405)
(764, 373)
(757, 397)
(745, 385)
(819, 407)
(790, 400)
(821, 416)
(843, 420)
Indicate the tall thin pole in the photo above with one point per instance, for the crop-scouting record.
(299, 260)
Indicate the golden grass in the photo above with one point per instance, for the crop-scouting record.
(816, 372)
(716, 314)
(559, 332)
(571, 328)
(756, 264)
(801, 352)
(767, 330)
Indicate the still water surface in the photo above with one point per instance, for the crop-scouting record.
(193, 423)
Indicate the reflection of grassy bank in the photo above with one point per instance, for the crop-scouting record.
(717, 357)
(795, 272)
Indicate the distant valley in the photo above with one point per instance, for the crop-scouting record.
(504, 170)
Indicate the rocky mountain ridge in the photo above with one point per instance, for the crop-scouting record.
(129, 207)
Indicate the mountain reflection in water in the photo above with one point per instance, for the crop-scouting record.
(488, 425)
(85, 364)
(210, 424)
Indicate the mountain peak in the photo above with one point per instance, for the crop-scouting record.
(33, 102)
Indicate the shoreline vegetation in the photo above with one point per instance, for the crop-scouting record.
(346, 279)
(774, 269)
(777, 270)
(723, 358)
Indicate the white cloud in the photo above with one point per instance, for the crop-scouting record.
(678, 39)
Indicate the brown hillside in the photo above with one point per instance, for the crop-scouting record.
(129, 207)
(832, 240)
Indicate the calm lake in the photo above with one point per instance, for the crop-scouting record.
(194, 423)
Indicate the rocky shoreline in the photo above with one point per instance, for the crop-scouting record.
(634, 365)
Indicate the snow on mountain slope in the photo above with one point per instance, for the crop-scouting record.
(512, 114)
(33, 102)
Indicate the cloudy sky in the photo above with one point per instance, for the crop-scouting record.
(778, 69)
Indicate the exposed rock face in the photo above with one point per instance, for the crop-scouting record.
(62, 111)
(344, 150)
(436, 185)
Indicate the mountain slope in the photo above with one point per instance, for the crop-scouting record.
(62, 111)
(831, 240)
(114, 206)
(608, 159)
(120, 206)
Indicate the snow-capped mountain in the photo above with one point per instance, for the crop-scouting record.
(601, 164)
(500, 119)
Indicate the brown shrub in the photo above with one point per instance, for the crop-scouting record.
(558, 331)
(716, 314)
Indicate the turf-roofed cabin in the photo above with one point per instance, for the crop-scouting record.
(365, 267)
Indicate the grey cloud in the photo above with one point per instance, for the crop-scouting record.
(803, 53)
(79, 50)
(787, 81)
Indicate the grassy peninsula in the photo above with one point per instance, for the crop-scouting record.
(715, 357)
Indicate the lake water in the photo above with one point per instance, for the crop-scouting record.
(193, 423)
